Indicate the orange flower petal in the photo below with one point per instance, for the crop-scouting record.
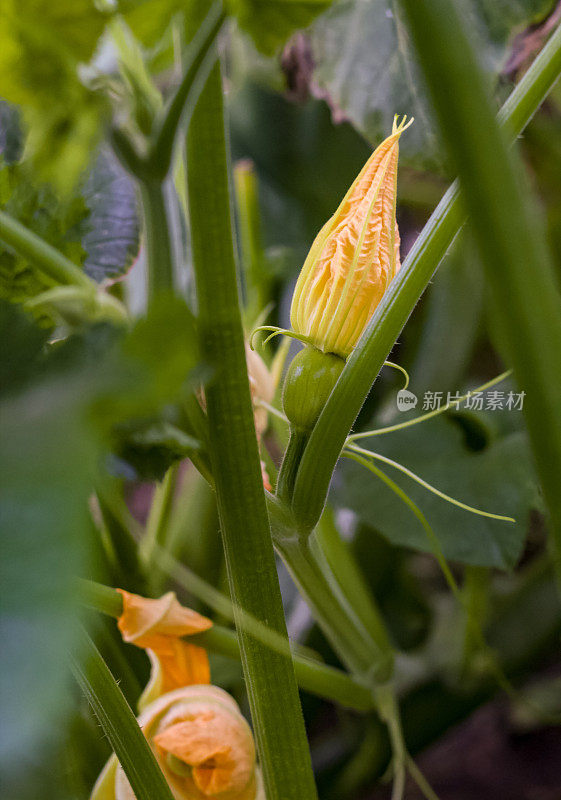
(214, 744)
(156, 626)
(144, 620)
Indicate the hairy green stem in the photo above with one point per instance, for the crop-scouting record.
(364, 364)
(276, 713)
(118, 723)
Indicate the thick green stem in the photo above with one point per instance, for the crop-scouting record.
(158, 238)
(54, 264)
(364, 364)
(119, 723)
(313, 676)
(272, 690)
(327, 540)
(349, 637)
(524, 290)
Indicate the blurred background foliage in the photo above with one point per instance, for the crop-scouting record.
(90, 421)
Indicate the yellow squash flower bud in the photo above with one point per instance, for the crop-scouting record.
(203, 745)
(353, 258)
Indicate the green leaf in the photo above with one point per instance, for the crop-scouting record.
(11, 143)
(112, 240)
(271, 22)
(367, 70)
(96, 227)
(58, 221)
(498, 478)
(22, 344)
(164, 346)
(38, 38)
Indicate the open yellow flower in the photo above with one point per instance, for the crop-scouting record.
(197, 732)
(353, 258)
(203, 745)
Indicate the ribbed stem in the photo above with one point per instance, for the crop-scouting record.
(275, 708)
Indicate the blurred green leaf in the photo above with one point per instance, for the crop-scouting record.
(11, 143)
(148, 19)
(57, 418)
(142, 380)
(271, 22)
(42, 45)
(164, 345)
(304, 163)
(20, 359)
(498, 478)
(49, 453)
(366, 69)
(37, 37)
